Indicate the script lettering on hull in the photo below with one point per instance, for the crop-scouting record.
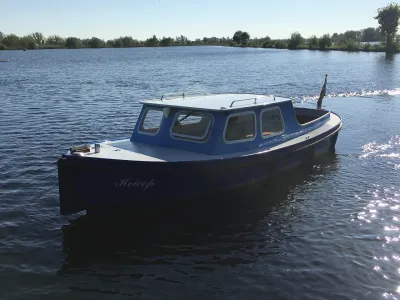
(135, 183)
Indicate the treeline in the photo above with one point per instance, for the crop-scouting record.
(349, 40)
(38, 41)
(352, 40)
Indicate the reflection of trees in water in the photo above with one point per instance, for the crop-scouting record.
(228, 228)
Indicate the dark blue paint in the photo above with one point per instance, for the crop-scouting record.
(87, 183)
(215, 144)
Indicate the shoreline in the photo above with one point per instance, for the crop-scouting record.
(371, 49)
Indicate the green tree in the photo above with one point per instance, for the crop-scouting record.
(266, 42)
(244, 38)
(110, 43)
(325, 41)
(352, 45)
(388, 19)
(353, 35)
(335, 37)
(295, 40)
(11, 41)
(236, 36)
(38, 37)
(182, 40)
(73, 43)
(369, 35)
(280, 44)
(166, 41)
(28, 42)
(152, 42)
(128, 42)
(55, 40)
(1, 35)
(118, 43)
(313, 42)
(95, 42)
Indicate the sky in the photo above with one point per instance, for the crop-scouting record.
(193, 19)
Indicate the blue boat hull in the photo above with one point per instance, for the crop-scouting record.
(91, 184)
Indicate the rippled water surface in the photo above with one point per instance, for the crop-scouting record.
(330, 231)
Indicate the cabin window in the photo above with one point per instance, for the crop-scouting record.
(240, 127)
(151, 121)
(191, 126)
(271, 122)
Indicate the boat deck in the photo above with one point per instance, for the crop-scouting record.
(133, 151)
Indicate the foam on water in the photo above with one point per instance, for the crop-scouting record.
(362, 93)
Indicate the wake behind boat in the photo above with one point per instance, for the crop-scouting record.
(188, 145)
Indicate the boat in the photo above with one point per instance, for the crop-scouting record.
(190, 145)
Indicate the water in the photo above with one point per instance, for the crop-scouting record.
(329, 232)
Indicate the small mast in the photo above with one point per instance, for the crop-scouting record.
(323, 93)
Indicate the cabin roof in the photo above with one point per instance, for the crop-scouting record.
(216, 101)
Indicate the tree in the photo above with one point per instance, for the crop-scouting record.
(28, 42)
(128, 42)
(95, 42)
(236, 36)
(354, 35)
(1, 35)
(313, 42)
(182, 40)
(267, 42)
(335, 38)
(166, 41)
(73, 43)
(55, 40)
(295, 40)
(38, 37)
(280, 44)
(244, 38)
(388, 19)
(369, 35)
(152, 42)
(325, 42)
(11, 41)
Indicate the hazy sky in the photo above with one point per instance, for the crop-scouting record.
(194, 19)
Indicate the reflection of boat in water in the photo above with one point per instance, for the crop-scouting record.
(4, 60)
(188, 146)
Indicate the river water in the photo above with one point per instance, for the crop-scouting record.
(328, 232)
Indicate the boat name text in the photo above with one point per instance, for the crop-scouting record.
(135, 183)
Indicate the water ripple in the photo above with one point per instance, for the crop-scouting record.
(327, 232)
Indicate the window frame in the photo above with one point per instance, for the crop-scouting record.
(238, 114)
(191, 138)
(261, 122)
(144, 117)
